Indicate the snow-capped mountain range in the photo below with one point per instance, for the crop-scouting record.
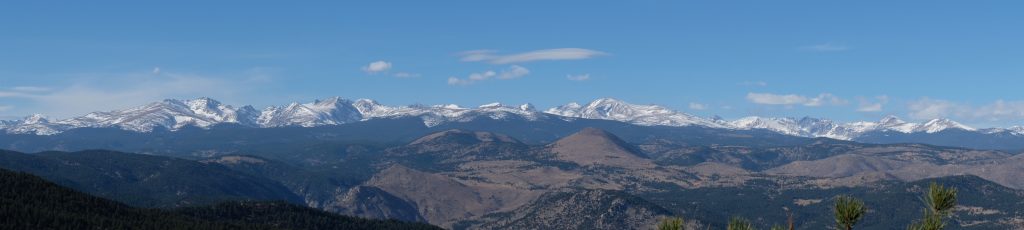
(205, 112)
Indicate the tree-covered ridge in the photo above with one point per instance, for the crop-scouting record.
(146, 180)
(282, 215)
(980, 204)
(29, 202)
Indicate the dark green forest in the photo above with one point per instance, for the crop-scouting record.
(29, 202)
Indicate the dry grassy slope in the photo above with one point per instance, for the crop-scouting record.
(465, 136)
(578, 209)
(442, 200)
(910, 163)
(372, 202)
(592, 146)
(838, 166)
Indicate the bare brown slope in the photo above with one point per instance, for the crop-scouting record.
(442, 200)
(592, 146)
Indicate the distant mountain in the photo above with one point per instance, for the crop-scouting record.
(812, 127)
(207, 113)
(616, 110)
(29, 202)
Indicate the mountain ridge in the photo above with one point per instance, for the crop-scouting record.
(173, 114)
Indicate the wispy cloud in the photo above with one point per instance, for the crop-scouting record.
(406, 75)
(14, 94)
(31, 89)
(99, 92)
(826, 47)
(793, 99)
(754, 83)
(866, 105)
(512, 72)
(580, 77)
(377, 67)
(698, 106)
(996, 111)
(22, 91)
(493, 57)
(6, 107)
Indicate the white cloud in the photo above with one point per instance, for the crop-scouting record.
(492, 57)
(826, 47)
(14, 94)
(477, 55)
(927, 108)
(866, 105)
(581, 77)
(377, 67)
(406, 75)
(999, 110)
(5, 107)
(871, 107)
(793, 99)
(512, 72)
(30, 89)
(825, 99)
(754, 83)
(698, 106)
(775, 99)
(156, 70)
(101, 92)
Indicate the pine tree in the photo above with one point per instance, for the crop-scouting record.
(939, 204)
(672, 223)
(848, 211)
(739, 223)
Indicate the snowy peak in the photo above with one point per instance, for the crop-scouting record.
(365, 106)
(813, 127)
(893, 123)
(805, 127)
(617, 110)
(786, 126)
(1017, 130)
(172, 114)
(527, 107)
(940, 124)
(490, 105)
(890, 120)
(330, 111)
(35, 119)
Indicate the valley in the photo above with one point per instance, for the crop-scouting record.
(470, 179)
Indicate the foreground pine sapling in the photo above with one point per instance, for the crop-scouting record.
(939, 204)
(672, 223)
(739, 223)
(848, 211)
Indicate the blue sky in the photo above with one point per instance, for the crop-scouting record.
(842, 60)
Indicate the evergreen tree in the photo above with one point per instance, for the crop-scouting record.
(672, 223)
(939, 204)
(739, 223)
(848, 211)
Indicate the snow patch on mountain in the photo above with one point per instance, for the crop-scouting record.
(616, 110)
(205, 112)
(813, 127)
